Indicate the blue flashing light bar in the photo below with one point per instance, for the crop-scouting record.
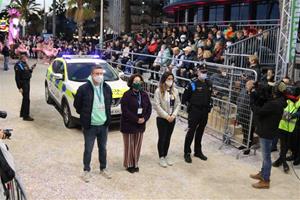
(65, 56)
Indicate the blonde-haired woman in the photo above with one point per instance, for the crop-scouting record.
(167, 105)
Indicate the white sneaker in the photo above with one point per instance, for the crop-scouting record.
(105, 173)
(162, 162)
(86, 176)
(169, 162)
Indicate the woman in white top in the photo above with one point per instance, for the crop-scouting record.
(167, 105)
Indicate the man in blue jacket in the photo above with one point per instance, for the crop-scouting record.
(93, 104)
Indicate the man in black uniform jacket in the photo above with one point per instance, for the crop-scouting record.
(23, 75)
(197, 97)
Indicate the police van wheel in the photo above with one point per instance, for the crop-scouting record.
(68, 119)
(48, 98)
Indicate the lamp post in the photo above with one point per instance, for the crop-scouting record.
(45, 18)
(101, 25)
(54, 19)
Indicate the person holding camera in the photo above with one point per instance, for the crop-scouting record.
(287, 126)
(268, 117)
(23, 75)
(167, 105)
(198, 98)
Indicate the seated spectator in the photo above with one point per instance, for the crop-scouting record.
(200, 53)
(187, 69)
(183, 42)
(218, 53)
(239, 36)
(207, 56)
(219, 37)
(177, 61)
(161, 62)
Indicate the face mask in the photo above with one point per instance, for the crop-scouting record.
(224, 74)
(218, 36)
(169, 83)
(137, 86)
(202, 76)
(182, 40)
(98, 79)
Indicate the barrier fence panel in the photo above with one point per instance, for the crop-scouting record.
(263, 45)
(230, 116)
(222, 25)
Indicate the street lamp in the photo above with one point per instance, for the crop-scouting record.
(101, 25)
(54, 18)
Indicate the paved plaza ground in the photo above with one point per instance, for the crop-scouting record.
(49, 159)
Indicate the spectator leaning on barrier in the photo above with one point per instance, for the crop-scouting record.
(167, 105)
(197, 96)
(269, 116)
(136, 111)
(93, 103)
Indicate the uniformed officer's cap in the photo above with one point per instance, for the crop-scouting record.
(202, 68)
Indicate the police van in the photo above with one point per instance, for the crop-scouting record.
(66, 74)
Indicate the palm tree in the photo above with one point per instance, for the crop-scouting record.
(27, 8)
(81, 11)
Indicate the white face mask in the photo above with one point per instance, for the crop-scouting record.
(202, 76)
(98, 79)
(224, 73)
(169, 83)
(218, 36)
(228, 43)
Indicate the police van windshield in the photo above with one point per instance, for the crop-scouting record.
(79, 72)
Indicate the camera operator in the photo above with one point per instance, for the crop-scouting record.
(287, 127)
(268, 117)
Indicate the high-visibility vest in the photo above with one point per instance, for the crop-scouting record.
(291, 108)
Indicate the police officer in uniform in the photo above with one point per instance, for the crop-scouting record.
(197, 97)
(22, 76)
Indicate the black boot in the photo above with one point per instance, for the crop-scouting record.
(290, 158)
(187, 158)
(296, 162)
(286, 167)
(277, 163)
(200, 155)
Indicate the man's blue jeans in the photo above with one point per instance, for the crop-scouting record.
(6, 62)
(99, 132)
(266, 147)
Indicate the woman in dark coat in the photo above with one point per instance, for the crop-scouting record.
(136, 111)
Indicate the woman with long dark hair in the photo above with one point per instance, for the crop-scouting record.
(167, 105)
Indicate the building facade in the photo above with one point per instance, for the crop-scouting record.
(221, 10)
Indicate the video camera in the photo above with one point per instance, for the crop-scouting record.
(7, 132)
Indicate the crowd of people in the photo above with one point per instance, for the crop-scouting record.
(275, 106)
(174, 47)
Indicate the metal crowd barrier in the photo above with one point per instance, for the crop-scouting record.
(230, 117)
(264, 45)
(222, 25)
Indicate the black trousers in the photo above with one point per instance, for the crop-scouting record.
(285, 141)
(295, 142)
(197, 121)
(165, 130)
(25, 107)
